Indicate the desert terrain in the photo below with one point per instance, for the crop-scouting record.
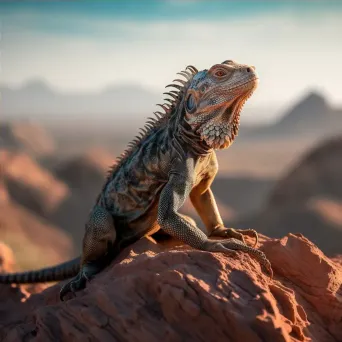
(78, 82)
(282, 179)
(287, 171)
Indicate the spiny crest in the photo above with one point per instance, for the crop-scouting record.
(168, 107)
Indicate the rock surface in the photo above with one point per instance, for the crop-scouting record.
(173, 293)
(26, 137)
(84, 175)
(317, 174)
(31, 185)
(35, 242)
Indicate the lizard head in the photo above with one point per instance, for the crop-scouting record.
(214, 100)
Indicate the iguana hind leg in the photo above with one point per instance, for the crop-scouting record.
(99, 238)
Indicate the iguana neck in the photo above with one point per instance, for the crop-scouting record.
(185, 141)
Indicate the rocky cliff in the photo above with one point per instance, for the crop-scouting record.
(169, 292)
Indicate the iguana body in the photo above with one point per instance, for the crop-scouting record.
(172, 160)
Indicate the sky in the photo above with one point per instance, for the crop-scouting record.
(90, 45)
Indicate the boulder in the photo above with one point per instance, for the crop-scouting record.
(170, 292)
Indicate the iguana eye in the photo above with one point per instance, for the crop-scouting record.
(203, 88)
(220, 73)
(190, 103)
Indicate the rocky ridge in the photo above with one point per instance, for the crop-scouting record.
(169, 292)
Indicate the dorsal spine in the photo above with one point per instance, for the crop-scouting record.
(160, 118)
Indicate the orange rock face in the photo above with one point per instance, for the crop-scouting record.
(154, 293)
(31, 185)
(35, 242)
(6, 258)
(29, 137)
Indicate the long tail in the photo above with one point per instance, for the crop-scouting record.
(59, 272)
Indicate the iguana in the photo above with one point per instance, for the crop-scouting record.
(172, 159)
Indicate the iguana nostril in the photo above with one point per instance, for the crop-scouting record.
(248, 69)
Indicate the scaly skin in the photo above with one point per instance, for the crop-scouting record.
(172, 160)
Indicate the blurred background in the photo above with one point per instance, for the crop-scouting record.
(79, 78)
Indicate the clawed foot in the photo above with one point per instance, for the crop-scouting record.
(235, 233)
(231, 246)
(79, 282)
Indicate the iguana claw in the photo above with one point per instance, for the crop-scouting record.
(79, 282)
(235, 233)
(232, 245)
(76, 284)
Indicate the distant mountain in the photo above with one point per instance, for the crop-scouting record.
(312, 108)
(311, 116)
(114, 113)
(116, 107)
(37, 100)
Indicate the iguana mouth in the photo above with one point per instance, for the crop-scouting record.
(221, 130)
(236, 107)
(252, 84)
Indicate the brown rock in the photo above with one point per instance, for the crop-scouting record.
(85, 175)
(327, 209)
(338, 260)
(4, 197)
(316, 280)
(6, 258)
(151, 294)
(319, 225)
(308, 200)
(26, 137)
(11, 295)
(35, 242)
(29, 184)
(81, 170)
(318, 174)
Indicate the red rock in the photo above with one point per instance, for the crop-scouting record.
(316, 280)
(317, 174)
(157, 293)
(306, 200)
(84, 175)
(6, 258)
(328, 209)
(338, 260)
(31, 185)
(4, 197)
(35, 242)
(29, 137)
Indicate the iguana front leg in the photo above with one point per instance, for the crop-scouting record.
(204, 202)
(171, 221)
